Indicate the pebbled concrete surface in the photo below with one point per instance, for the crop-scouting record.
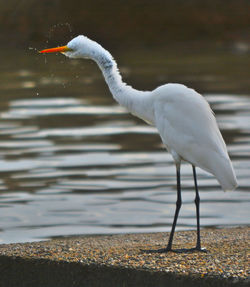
(129, 260)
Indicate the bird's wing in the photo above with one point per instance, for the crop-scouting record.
(187, 125)
(188, 128)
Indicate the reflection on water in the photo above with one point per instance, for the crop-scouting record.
(73, 162)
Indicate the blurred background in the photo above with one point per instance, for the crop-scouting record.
(126, 22)
(71, 160)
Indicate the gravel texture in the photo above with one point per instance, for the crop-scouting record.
(226, 262)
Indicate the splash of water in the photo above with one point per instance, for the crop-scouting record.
(59, 26)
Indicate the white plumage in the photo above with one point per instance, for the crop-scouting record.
(184, 119)
(188, 128)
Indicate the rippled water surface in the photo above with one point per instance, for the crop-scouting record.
(73, 162)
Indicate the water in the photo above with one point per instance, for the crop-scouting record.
(73, 162)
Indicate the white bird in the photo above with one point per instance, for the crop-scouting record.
(183, 118)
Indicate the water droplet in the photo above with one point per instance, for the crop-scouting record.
(31, 48)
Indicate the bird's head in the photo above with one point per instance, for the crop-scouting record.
(79, 47)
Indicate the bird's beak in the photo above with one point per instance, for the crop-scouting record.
(61, 49)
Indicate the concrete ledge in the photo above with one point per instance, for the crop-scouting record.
(118, 260)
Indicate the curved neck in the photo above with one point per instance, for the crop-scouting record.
(135, 101)
(120, 90)
(113, 78)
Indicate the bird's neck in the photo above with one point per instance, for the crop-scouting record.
(113, 78)
(125, 95)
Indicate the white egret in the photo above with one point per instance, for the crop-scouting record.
(184, 120)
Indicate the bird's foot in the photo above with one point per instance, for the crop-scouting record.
(200, 249)
(181, 250)
(161, 250)
(190, 250)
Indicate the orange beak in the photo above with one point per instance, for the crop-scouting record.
(61, 49)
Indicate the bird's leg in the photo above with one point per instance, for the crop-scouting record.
(178, 207)
(197, 204)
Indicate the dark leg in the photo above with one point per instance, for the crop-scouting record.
(178, 207)
(197, 204)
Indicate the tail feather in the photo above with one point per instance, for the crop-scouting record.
(224, 172)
